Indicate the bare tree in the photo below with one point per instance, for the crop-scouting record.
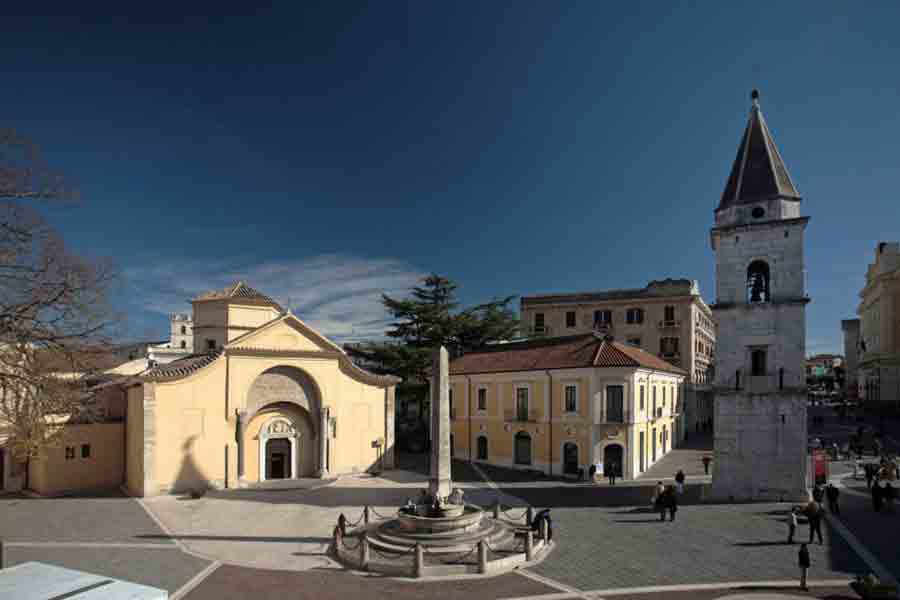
(53, 304)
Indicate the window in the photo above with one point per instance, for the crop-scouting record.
(539, 322)
(758, 362)
(570, 318)
(669, 313)
(85, 451)
(642, 397)
(452, 412)
(758, 282)
(482, 399)
(654, 401)
(758, 212)
(615, 406)
(70, 452)
(183, 344)
(665, 391)
(571, 398)
(210, 344)
(183, 330)
(602, 317)
(521, 404)
(482, 448)
(668, 346)
(633, 341)
(523, 448)
(634, 315)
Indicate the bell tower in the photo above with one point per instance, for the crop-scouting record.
(760, 445)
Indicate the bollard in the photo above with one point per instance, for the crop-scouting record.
(529, 546)
(364, 551)
(497, 509)
(545, 531)
(420, 561)
(366, 515)
(482, 557)
(529, 516)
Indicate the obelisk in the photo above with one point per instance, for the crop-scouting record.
(439, 483)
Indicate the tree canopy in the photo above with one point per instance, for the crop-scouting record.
(428, 318)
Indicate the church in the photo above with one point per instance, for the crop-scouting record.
(268, 398)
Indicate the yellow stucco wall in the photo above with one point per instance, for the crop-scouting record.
(51, 473)
(194, 419)
(241, 317)
(134, 441)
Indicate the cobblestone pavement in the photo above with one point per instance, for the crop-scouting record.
(108, 535)
(604, 548)
(753, 592)
(237, 582)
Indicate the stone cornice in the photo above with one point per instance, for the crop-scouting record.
(749, 305)
(771, 224)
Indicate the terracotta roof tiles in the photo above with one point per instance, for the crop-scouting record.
(571, 352)
(240, 291)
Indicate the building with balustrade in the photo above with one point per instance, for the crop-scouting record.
(557, 405)
(666, 318)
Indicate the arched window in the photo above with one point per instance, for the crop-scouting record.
(523, 448)
(183, 344)
(482, 448)
(183, 330)
(758, 282)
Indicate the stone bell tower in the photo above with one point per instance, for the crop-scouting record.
(760, 385)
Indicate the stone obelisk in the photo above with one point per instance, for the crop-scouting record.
(439, 483)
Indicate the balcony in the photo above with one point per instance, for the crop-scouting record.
(602, 327)
(519, 417)
(674, 324)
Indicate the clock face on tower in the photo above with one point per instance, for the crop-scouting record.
(758, 212)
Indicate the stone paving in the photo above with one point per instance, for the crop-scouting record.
(108, 535)
(688, 458)
(620, 547)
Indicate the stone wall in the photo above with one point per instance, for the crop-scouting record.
(760, 447)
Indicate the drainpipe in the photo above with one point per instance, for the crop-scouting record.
(469, 413)
(550, 420)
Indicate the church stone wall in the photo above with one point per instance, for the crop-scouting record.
(761, 447)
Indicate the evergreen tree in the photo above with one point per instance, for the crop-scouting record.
(428, 319)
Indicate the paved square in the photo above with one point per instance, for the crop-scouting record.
(606, 548)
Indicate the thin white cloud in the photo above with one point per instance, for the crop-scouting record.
(338, 295)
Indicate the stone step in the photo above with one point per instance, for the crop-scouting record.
(396, 545)
(495, 532)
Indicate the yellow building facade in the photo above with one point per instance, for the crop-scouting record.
(269, 399)
(558, 405)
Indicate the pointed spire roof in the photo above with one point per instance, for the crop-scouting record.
(758, 172)
(238, 291)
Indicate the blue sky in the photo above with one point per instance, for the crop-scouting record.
(326, 153)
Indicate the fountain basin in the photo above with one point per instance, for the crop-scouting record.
(463, 517)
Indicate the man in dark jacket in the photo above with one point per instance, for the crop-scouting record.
(673, 503)
(803, 561)
(815, 523)
(832, 493)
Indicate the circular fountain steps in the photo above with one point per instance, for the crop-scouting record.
(388, 537)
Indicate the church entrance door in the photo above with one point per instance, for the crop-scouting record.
(278, 458)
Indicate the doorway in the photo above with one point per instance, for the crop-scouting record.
(523, 448)
(612, 459)
(570, 459)
(278, 458)
(643, 452)
(653, 445)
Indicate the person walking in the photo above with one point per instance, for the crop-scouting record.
(662, 502)
(679, 481)
(611, 472)
(706, 461)
(818, 493)
(592, 472)
(792, 525)
(803, 561)
(832, 494)
(673, 504)
(815, 523)
(870, 474)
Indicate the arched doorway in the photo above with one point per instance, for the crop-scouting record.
(570, 459)
(612, 459)
(522, 448)
(283, 403)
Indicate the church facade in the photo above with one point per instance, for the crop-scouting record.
(268, 398)
(760, 443)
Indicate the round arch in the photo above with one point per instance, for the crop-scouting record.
(614, 457)
(278, 428)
